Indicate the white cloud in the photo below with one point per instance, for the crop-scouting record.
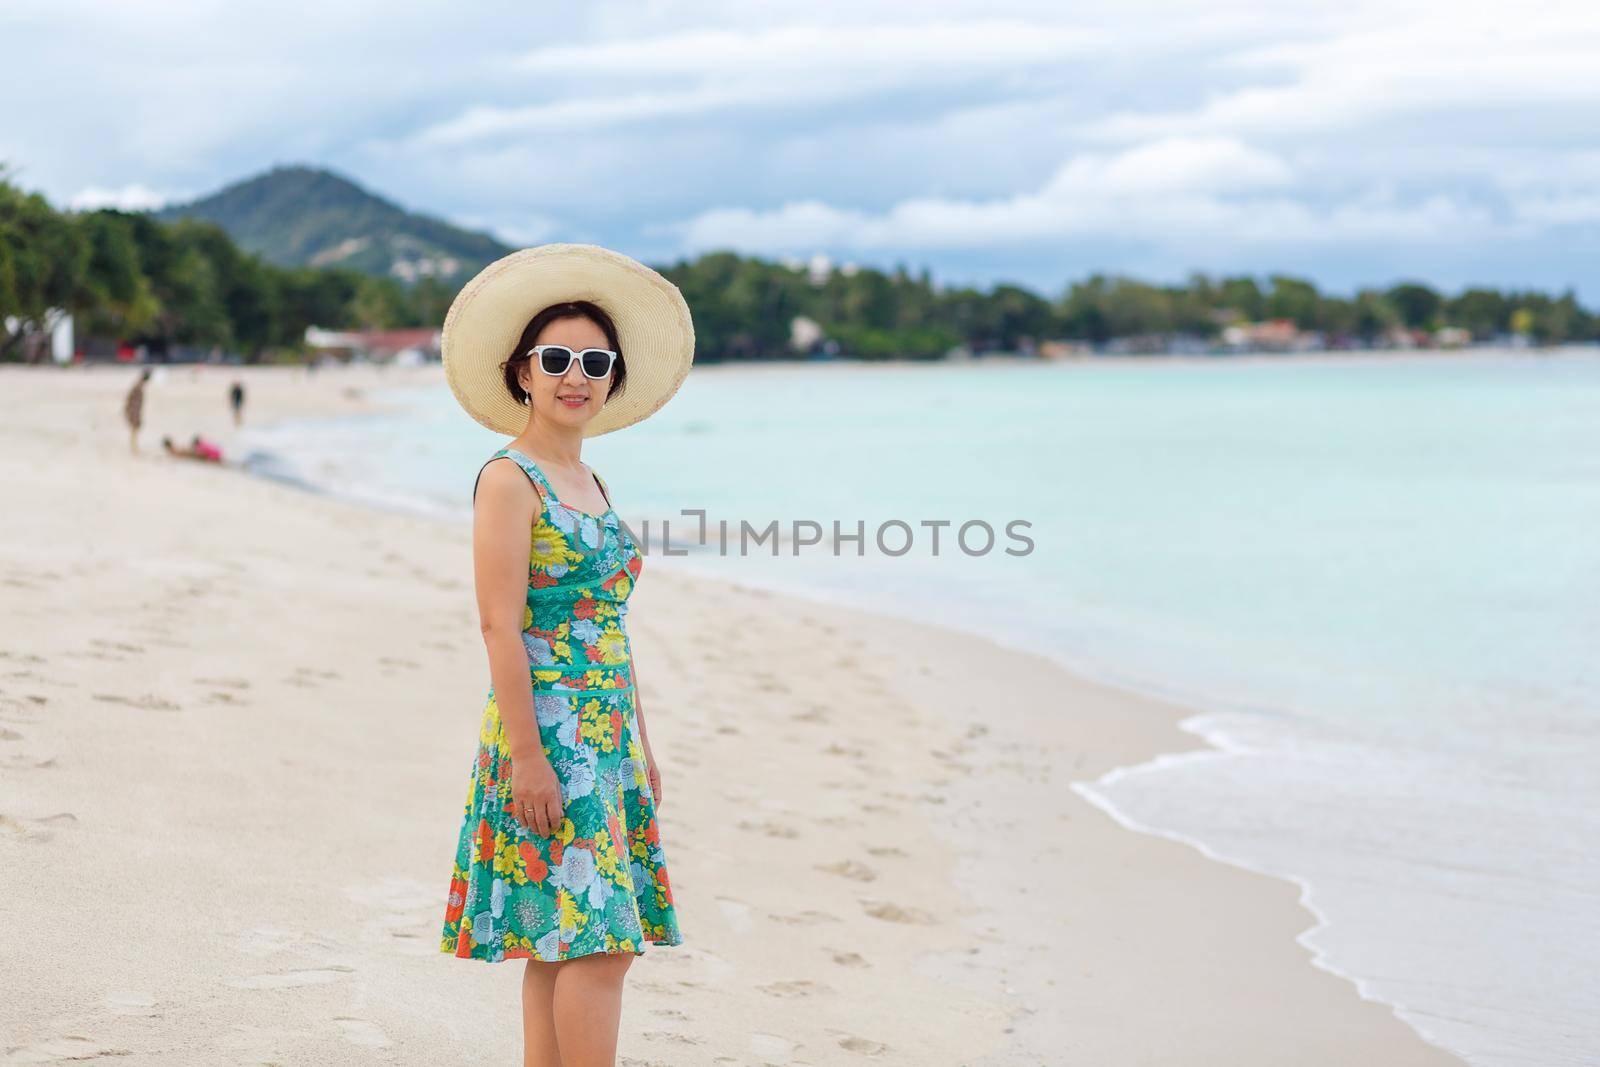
(903, 47)
(1387, 65)
(133, 197)
(969, 135)
(709, 72)
(1174, 191)
(1217, 164)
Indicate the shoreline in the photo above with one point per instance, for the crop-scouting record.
(1191, 717)
(1188, 719)
(987, 751)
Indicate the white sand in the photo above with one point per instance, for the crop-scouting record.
(236, 723)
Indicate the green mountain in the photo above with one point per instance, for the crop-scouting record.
(305, 216)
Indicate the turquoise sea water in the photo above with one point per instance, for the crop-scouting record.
(1379, 577)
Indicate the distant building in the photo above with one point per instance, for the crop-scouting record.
(1273, 335)
(1064, 350)
(805, 334)
(53, 341)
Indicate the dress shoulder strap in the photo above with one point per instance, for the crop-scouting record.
(603, 490)
(529, 467)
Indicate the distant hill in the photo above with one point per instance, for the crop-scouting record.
(305, 216)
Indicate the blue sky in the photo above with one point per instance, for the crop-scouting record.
(1353, 143)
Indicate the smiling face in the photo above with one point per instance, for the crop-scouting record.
(571, 399)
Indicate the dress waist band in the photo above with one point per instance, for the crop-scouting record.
(583, 677)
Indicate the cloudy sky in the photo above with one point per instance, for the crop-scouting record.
(1351, 142)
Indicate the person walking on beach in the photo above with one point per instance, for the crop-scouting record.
(236, 401)
(560, 859)
(133, 409)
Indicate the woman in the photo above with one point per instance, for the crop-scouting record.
(559, 859)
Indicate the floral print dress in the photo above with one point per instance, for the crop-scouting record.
(599, 883)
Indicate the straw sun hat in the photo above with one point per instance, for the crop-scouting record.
(487, 317)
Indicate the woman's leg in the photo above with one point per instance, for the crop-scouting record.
(538, 1015)
(588, 1007)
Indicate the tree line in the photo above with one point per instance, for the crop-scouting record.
(128, 277)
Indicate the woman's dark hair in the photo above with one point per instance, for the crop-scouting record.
(571, 309)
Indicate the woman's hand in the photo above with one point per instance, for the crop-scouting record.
(536, 800)
(654, 774)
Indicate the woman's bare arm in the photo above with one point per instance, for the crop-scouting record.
(502, 519)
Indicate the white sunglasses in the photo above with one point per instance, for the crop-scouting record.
(556, 360)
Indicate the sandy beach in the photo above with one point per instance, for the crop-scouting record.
(236, 720)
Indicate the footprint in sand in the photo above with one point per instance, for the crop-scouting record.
(886, 850)
(843, 958)
(673, 1036)
(772, 1048)
(851, 869)
(862, 1046)
(39, 830)
(793, 987)
(147, 701)
(307, 678)
(224, 683)
(23, 762)
(808, 917)
(120, 646)
(401, 913)
(63, 1047)
(889, 911)
(293, 979)
(360, 1032)
(9, 735)
(269, 940)
(770, 829)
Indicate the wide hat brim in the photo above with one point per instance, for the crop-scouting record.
(488, 315)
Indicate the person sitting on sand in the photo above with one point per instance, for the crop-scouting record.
(206, 449)
(199, 448)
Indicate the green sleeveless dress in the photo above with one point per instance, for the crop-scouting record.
(599, 883)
